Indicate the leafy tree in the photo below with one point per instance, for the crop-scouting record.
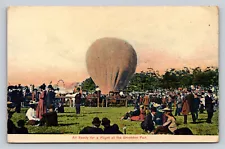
(171, 79)
(88, 85)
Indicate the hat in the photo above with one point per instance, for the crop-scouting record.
(50, 86)
(210, 91)
(51, 106)
(153, 109)
(9, 102)
(96, 121)
(43, 86)
(161, 110)
(167, 109)
(33, 103)
(105, 121)
(10, 105)
(156, 105)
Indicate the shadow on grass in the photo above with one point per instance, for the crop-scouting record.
(94, 112)
(69, 115)
(178, 124)
(48, 133)
(68, 124)
(202, 119)
(71, 112)
(80, 115)
(198, 122)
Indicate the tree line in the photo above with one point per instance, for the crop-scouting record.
(171, 79)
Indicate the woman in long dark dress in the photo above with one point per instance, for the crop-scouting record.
(41, 108)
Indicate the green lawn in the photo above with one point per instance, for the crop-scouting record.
(70, 123)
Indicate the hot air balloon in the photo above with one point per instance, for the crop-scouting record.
(111, 62)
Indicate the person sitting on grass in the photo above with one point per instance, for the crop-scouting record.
(141, 116)
(159, 117)
(94, 129)
(114, 129)
(50, 118)
(11, 128)
(136, 112)
(148, 124)
(31, 114)
(169, 126)
(21, 129)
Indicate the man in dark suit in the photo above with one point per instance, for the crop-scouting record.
(78, 101)
(17, 96)
(148, 124)
(50, 96)
(190, 99)
(209, 106)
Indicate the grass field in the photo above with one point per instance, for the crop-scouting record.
(70, 123)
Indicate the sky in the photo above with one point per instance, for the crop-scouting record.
(50, 43)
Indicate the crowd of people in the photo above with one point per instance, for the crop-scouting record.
(153, 109)
(49, 118)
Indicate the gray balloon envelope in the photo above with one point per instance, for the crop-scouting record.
(111, 62)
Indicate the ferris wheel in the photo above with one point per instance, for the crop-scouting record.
(62, 83)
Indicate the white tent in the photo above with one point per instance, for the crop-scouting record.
(62, 91)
